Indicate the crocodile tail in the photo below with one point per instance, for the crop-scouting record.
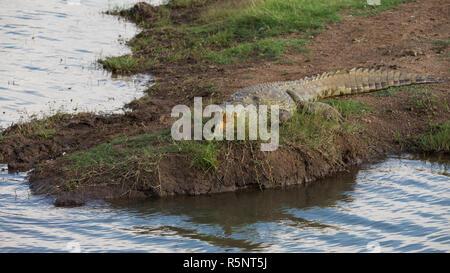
(358, 80)
(433, 80)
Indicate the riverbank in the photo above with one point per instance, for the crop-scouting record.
(128, 156)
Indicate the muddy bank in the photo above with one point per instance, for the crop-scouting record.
(242, 166)
(389, 121)
(23, 146)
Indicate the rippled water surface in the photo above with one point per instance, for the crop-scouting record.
(399, 205)
(48, 58)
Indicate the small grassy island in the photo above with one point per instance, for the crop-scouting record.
(210, 49)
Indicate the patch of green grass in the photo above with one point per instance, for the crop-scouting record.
(224, 32)
(444, 104)
(38, 127)
(142, 141)
(71, 184)
(186, 3)
(123, 64)
(443, 43)
(436, 140)
(261, 49)
(125, 13)
(123, 152)
(316, 131)
(248, 25)
(349, 107)
(105, 155)
(399, 139)
(386, 92)
(422, 101)
(119, 151)
(266, 18)
(304, 128)
(394, 89)
(137, 44)
(129, 64)
(204, 153)
(45, 133)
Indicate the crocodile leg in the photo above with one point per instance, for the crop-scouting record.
(327, 110)
(285, 115)
(316, 107)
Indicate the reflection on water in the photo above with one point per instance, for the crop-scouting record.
(402, 203)
(48, 58)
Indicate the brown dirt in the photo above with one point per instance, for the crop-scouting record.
(73, 132)
(400, 39)
(243, 167)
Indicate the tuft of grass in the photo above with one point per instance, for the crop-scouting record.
(143, 140)
(436, 140)
(45, 133)
(128, 64)
(312, 130)
(38, 127)
(386, 92)
(123, 64)
(349, 107)
(394, 89)
(442, 43)
(138, 44)
(261, 49)
(103, 155)
(422, 101)
(119, 151)
(124, 152)
(204, 153)
(186, 3)
(123, 11)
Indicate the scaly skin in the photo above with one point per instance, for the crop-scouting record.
(291, 95)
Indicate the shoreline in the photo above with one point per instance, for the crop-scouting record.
(127, 156)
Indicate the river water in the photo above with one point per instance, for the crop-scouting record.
(48, 58)
(49, 49)
(399, 205)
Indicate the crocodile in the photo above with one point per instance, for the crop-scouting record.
(291, 96)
